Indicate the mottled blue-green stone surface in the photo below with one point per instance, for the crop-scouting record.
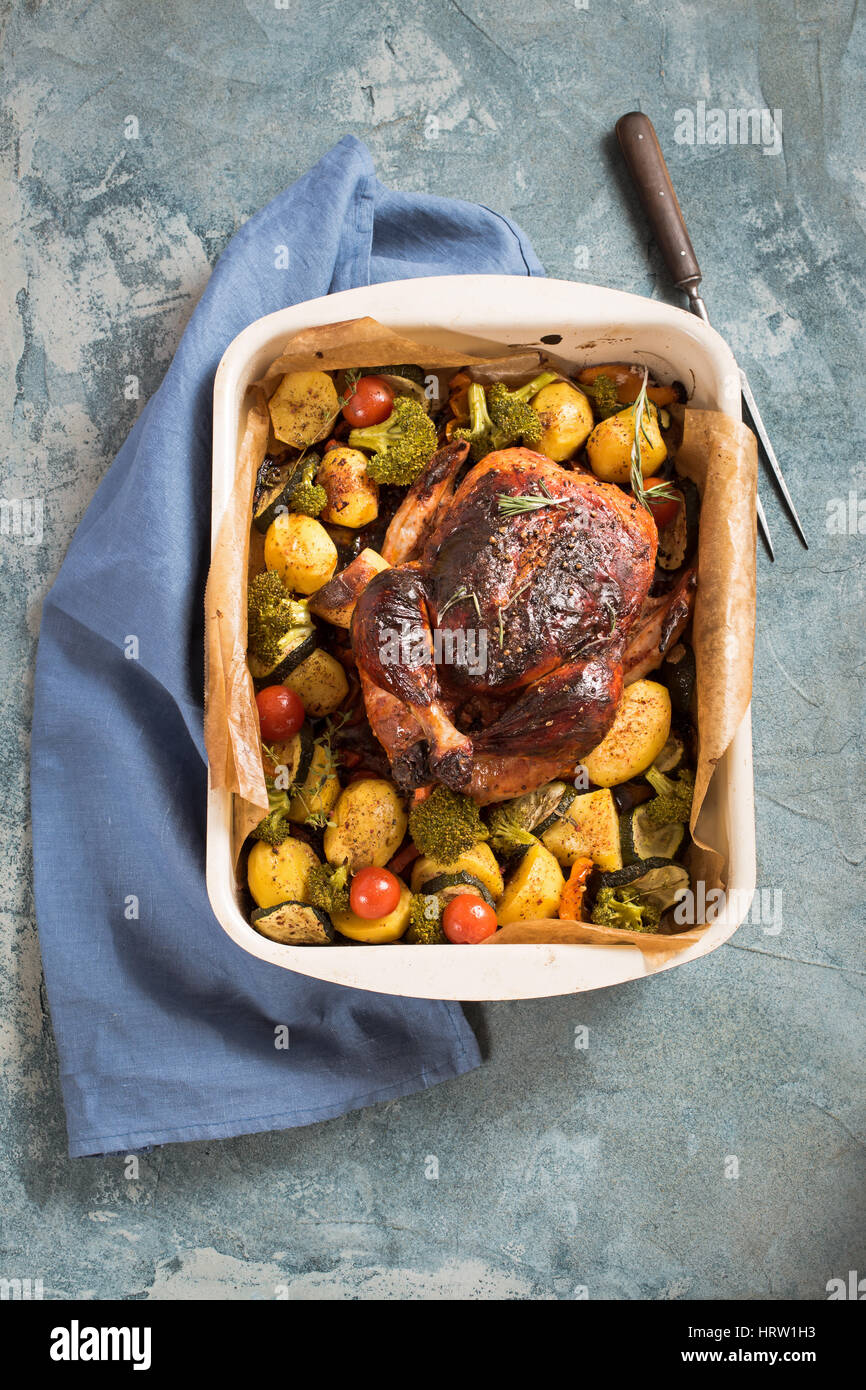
(708, 1140)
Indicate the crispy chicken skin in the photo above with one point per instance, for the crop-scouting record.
(555, 593)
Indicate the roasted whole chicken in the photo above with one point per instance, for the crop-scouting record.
(493, 651)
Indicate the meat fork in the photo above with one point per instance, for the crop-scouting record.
(646, 164)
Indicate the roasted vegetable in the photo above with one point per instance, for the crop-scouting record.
(379, 930)
(642, 838)
(351, 495)
(273, 618)
(604, 396)
(571, 902)
(678, 541)
(566, 420)
(425, 921)
(638, 734)
(401, 446)
(515, 824)
(276, 826)
(301, 552)
(320, 681)
(659, 882)
(672, 803)
(303, 493)
(328, 887)
(312, 800)
(279, 873)
(294, 924)
(335, 602)
(445, 824)
(455, 885)
(499, 418)
(479, 860)
(303, 407)
(589, 829)
(624, 909)
(609, 447)
(680, 675)
(533, 890)
(619, 383)
(368, 824)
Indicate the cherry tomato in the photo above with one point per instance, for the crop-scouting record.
(370, 403)
(468, 919)
(374, 893)
(664, 511)
(281, 713)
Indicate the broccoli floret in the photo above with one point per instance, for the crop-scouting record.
(425, 921)
(445, 825)
(621, 907)
(306, 495)
(271, 613)
(401, 445)
(276, 826)
(672, 804)
(499, 418)
(508, 831)
(604, 396)
(329, 888)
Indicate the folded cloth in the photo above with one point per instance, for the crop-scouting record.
(166, 1030)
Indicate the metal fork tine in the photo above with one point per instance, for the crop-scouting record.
(762, 522)
(770, 453)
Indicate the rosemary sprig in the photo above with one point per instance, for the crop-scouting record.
(458, 596)
(528, 502)
(661, 492)
(501, 609)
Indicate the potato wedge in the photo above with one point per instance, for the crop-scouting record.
(589, 829)
(479, 861)
(353, 497)
(533, 890)
(381, 929)
(303, 407)
(335, 601)
(300, 550)
(369, 824)
(638, 734)
(278, 873)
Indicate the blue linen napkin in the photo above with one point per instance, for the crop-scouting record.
(166, 1030)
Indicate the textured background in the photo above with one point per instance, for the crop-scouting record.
(558, 1168)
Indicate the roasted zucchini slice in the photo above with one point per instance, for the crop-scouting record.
(295, 755)
(274, 485)
(659, 881)
(448, 886)
(294, 924)
(639, 840)
(672, 756)
(298, 644)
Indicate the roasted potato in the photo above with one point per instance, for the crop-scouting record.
(320, 790)
(381, 929)
(299, 548)
(533, 890)
(335, 602)
(638, 734)
(479, 861)
(278, 873)
(610, 444)
(588, 829)
(353, 497)
(369, 824)
(566, 419)
(303, 408)
(321, 683)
